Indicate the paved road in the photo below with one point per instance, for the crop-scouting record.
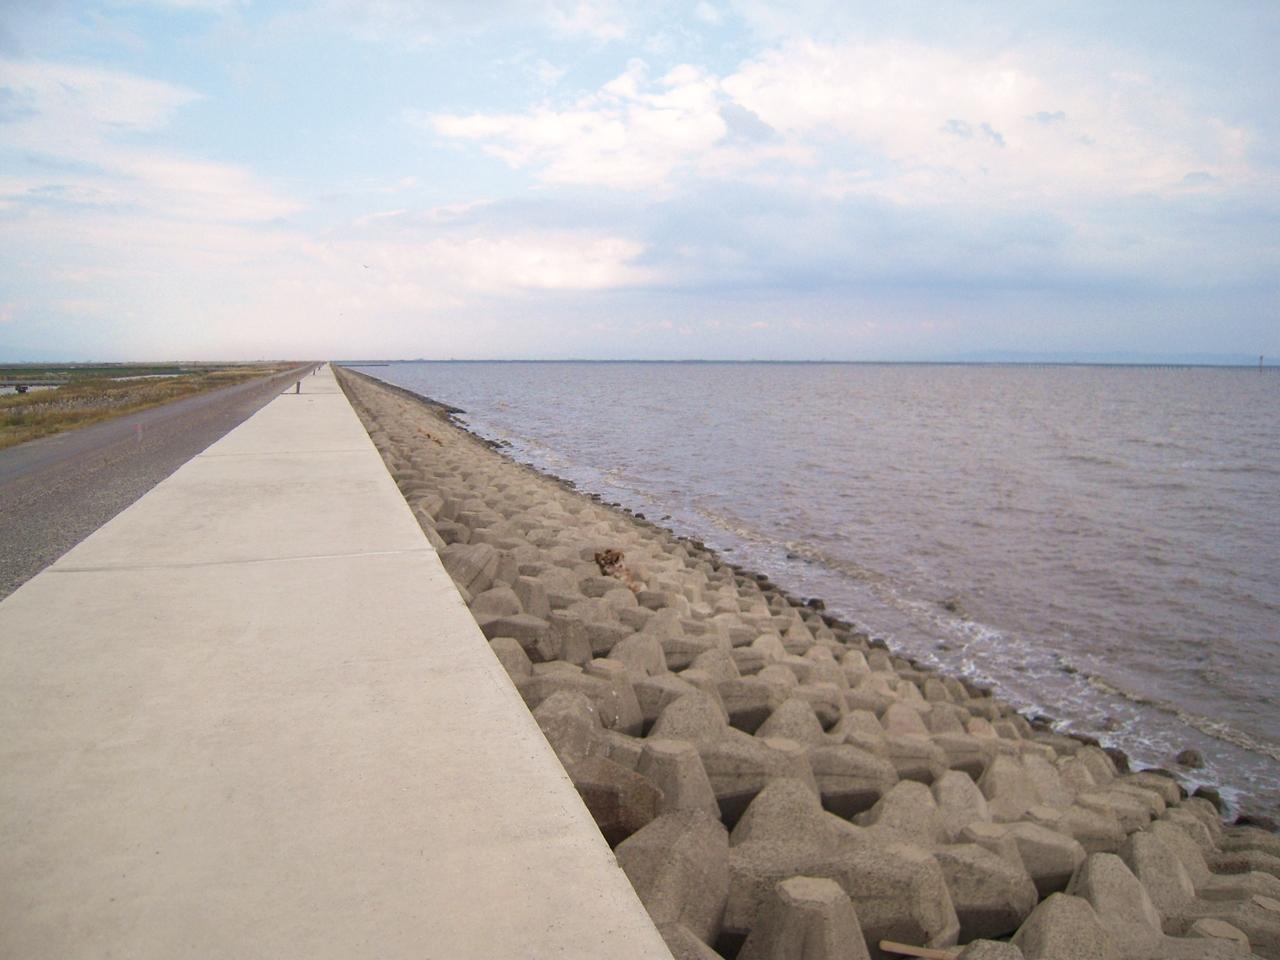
(56, 491)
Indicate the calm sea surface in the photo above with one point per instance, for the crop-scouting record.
(1101, 543)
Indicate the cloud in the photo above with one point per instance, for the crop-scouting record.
(62, 104)
(742, 124)
(992, 134)
(917, 110)
(597, 19)
(251, 289)
(82, 133)
(866, 172)
(707, 13)
(209, 6)
(911, 123)
(416, 23)
(632, 133)
(534, 261)
(548, 74)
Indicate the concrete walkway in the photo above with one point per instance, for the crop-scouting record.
(251, 717)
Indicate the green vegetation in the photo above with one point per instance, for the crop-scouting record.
(90, 393)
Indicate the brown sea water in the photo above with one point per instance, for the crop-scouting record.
(1100, 543)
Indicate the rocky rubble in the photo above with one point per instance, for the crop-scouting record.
(776, 785)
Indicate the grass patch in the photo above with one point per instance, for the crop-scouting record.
(94, 393)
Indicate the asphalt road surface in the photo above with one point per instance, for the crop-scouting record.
(57, 490)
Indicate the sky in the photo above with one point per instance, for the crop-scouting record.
(725, 179)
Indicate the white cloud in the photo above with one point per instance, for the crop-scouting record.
(597, 19)
(547, 73)
(58, 106)
(543, 260)
(418, 23)
(247, 289)
(84, 126)
(809, 167)
(707, 13)
(953, 127)
(211, 6)
(633, 133)
(910, 123)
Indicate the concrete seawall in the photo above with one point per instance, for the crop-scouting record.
(251, 717)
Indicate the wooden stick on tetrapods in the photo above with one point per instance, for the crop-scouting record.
(926, 953)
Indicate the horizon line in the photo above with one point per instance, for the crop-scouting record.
(1241, 365)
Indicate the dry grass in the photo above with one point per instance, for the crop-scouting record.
(91, 397)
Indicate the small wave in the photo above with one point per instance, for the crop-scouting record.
(1171, 486)
(1229, 734)
(732, 525)
(1105, 686)
(1158, 443)
(856, 571)
(1218, 729)
(1246, 468)
(1093, 459)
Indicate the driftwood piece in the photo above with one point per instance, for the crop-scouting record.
(927, 953)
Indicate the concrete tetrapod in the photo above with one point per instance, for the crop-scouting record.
(617, 709)
(990, 950)
(996, 838)
(1131, 920)
(685, 945)
(1009, 792)
(1209, 885)
(1244, 839)
(1095, 830)
(675, 768)
(959, 802)
(1063, 927)
(897, 889)
(992, 893)
(620, 800)
(737, 764)
(849, 779)
(512, 657)
(1220, 930)
(679, 865)
(571, 724)
(1242, 861)
(909, 810)
(1049, 857)
(991, 896)
(655, 694)
(623, 707)
(1174, 896)
(806, 918)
